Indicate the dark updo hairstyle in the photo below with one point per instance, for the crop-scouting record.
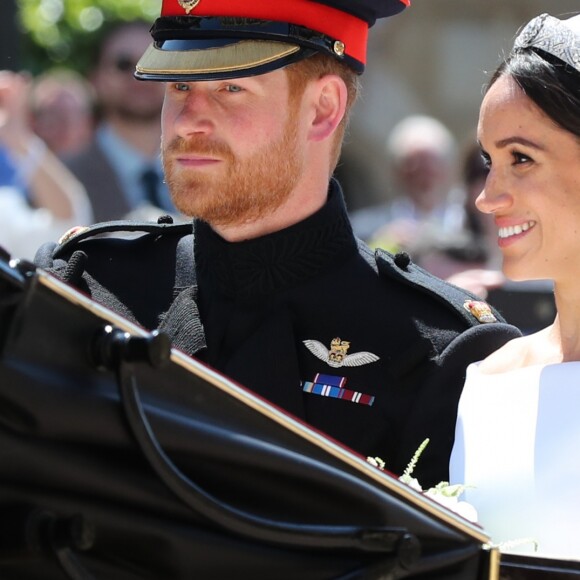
(550, 83)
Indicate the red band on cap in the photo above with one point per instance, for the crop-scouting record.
(349, 29)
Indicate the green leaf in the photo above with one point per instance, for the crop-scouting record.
(56, 30)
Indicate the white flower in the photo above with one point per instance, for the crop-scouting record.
(377, 462)
(448, 496)
(443, 493)
(411, 482)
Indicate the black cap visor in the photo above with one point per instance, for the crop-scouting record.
(195, 49)
(188, 60)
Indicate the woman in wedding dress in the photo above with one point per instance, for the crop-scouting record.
(518, 430)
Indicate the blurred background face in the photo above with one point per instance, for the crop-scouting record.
(118, 92)
(424, 175)
(62, 113)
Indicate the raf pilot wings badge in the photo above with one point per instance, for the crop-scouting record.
(337, 356)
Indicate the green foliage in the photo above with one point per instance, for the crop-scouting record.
(64, 32)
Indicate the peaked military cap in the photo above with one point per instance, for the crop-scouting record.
(220, 39)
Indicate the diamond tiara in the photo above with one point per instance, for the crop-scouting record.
(552, 36)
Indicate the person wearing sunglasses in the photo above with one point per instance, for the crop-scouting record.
(120, 168)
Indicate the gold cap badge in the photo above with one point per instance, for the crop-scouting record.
(339, 48)
(188, 5)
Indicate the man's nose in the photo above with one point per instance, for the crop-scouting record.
(194, 116)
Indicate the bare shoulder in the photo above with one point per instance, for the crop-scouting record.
(516, 353)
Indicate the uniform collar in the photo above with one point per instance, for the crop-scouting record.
(282, 260)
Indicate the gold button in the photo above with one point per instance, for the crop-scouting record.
(339, 48)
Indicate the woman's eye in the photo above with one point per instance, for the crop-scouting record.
(233, 88)
(181, 87)
(486, 160)
(520, 158)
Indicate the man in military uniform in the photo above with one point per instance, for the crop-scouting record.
(277, 293)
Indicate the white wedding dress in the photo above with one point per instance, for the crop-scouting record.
(517, 443)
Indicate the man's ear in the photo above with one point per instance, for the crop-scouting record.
(329, 100)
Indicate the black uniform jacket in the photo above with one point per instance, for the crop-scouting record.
(367, 348)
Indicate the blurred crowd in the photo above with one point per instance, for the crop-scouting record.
(428, 210)
(81, 149)
(78, 149)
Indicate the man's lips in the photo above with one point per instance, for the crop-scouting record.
(196, 160)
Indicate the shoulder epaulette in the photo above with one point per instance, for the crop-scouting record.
(77, 234)
(134, 268)
(466, 305)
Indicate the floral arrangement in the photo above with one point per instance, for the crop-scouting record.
(448, 496)
(443, 493)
